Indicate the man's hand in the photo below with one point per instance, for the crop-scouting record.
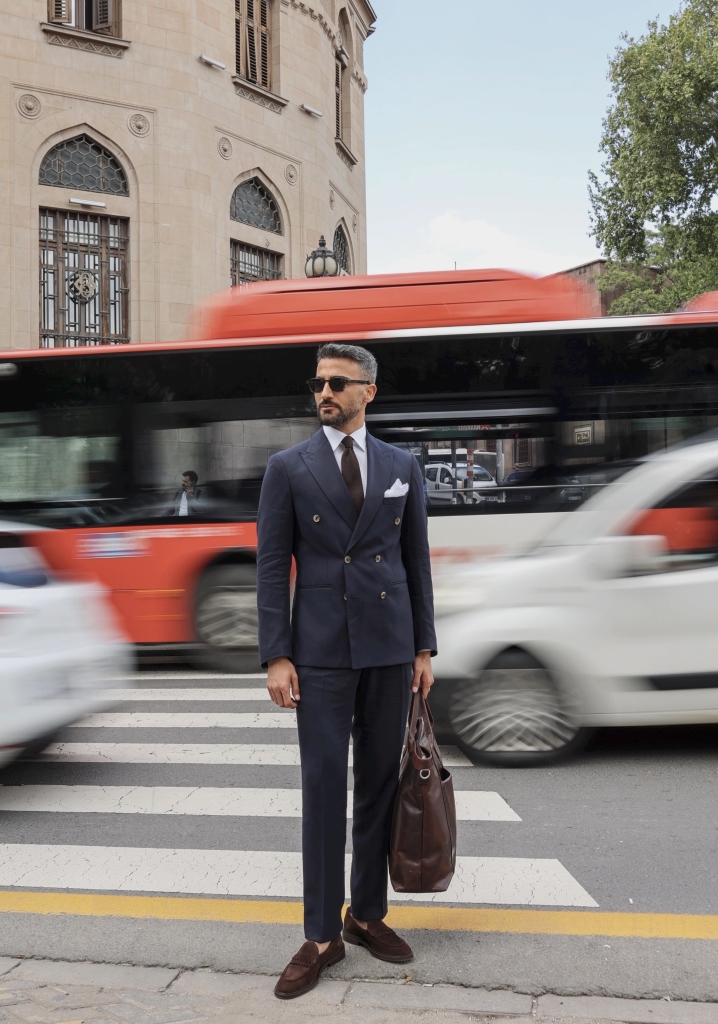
(283, 684)
(423, 676)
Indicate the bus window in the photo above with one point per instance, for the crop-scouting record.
(54, 459)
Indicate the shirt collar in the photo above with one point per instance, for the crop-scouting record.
(335, 437)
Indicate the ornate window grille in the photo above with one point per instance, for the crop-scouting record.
(91, 15)
(84, 291)
(251, 264)
(81, 163)
(255, 205)
(252, 41)
(341, 250)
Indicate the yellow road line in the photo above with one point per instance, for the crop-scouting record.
(460, 919)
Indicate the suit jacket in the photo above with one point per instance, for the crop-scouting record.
(195, 503)
(363, 595)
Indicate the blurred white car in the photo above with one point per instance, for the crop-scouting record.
(60, 648)
(611, 621)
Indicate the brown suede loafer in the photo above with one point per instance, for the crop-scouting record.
(302, 972)
(379, 939)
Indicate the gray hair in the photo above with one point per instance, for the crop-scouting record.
(367, 362)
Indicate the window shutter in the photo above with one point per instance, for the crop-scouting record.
(251, 70)
(263, 30)
(59, 12)
(238, 36)
(102, 14)
(338, 97)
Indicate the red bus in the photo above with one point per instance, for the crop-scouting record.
(517, 406)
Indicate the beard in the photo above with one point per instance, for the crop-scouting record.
(335, 416)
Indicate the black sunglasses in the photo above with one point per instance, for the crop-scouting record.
(336, 384)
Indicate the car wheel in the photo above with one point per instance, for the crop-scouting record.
(226, 618)
(458, 499)
(514, 715)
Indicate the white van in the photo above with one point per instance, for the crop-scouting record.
(611, 621)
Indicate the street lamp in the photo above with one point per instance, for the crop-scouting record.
(322, 262)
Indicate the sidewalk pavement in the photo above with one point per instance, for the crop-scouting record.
(57, 992)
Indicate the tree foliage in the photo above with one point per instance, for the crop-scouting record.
(654, 202)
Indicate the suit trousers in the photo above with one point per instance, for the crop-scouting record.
(370, 705)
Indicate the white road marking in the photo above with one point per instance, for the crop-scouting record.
(173, 753)
(198, 753)
(229, 693)
(489, 880)
(187, 720)
(192, 676)
(259, 803)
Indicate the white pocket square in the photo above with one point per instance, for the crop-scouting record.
(397, 489)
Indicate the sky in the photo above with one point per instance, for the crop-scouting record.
(483, 118)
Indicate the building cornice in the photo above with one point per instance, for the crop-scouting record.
(360, 80)
(366, 13)
(78, 39)
(251, 91)
(346, 154)
(315, 15)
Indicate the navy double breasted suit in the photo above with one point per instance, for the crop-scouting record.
(363, 608)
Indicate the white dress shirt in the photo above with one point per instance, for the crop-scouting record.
(183, 505)
(335, 438)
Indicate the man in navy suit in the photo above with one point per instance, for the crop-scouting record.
(350, 510)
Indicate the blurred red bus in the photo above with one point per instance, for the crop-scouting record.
(516, 405)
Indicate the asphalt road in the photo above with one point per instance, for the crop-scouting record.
(629, 827)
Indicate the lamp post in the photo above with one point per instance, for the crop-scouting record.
(322, 262)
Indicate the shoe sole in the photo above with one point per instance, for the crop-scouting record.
(308, 988)
(357, 940)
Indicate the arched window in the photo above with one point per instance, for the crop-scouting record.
(255, 205)
(84, 164)
(341, 250)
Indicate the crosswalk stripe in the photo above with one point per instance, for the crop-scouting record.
(173, 753)
(261, 803)
(190, 693)
(187, 720)
(488, 880)
(198, 753)
(233, 677)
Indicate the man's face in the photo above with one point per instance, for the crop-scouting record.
(337, 408)
(187, 484)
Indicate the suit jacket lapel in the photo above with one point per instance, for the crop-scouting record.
(379, 466)
(322, 464)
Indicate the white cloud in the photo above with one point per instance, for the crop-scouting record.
(472, 243)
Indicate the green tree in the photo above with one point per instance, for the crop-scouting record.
(654, 203)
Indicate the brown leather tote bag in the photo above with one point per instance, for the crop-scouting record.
(422, 851)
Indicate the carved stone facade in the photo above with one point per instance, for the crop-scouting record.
(153, 96)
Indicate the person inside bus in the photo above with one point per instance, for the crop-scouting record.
(188, 499)
(350, 509)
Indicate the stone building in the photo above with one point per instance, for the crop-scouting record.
(153, 152)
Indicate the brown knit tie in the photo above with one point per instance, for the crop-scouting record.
(352, 473)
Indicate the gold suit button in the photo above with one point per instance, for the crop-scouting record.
(383, 594)
(397, 521)
(346, 598)
(317, 519)
(347, 559)
(377, 558)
